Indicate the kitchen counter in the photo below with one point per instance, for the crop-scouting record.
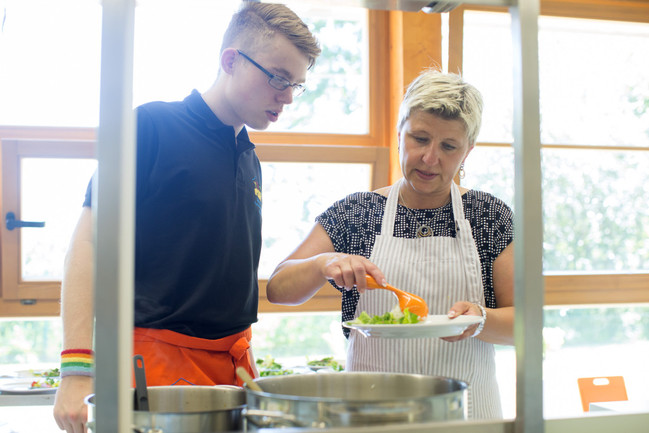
(39, 419)
(26, 400)
(32, 413)
(25, 411)
(27, 419)
(627, 406)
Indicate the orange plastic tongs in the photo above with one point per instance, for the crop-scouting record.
(413, 303)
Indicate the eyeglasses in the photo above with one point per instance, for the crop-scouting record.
(275, 81)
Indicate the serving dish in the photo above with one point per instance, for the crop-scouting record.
(24, 388)
(433, 326)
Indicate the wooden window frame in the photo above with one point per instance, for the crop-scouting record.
(13, 287)
(614, 10)
(31, 298)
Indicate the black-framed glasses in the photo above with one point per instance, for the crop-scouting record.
(275, 81)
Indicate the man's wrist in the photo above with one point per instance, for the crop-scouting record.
(77, 362)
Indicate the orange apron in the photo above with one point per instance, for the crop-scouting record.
(170, 357)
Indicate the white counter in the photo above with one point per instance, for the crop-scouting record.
(627, 406)
(26, 400)
(27, 419)
(26, 412)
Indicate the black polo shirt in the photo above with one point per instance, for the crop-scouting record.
(198, 221)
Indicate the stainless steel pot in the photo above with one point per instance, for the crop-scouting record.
(186, 409)
(353, 399)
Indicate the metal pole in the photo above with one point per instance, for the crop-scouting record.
(528, 222)
(114, 210)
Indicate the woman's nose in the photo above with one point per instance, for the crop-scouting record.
(430, 155)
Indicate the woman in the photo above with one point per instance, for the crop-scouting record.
(424, 234)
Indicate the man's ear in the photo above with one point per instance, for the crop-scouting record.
(228, 56)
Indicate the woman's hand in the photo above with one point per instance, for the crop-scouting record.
(70, 410)
(348, 271)
(460, 309)
(312, 264)
(498, 325)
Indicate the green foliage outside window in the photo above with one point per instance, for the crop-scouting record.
(335, 100)
(595, 214)
(299, 336)
(332, 66)
(30, 341)
(603, 325)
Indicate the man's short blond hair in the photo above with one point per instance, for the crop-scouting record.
(445, 95)
(256, 22)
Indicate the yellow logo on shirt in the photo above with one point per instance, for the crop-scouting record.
(257, 193)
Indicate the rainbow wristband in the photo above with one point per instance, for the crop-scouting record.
(77, 362)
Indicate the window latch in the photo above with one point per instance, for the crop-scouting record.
(11, 222)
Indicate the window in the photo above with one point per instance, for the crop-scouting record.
(337, 97)
(43, 181)
(57, 84)
(290, 207)
(64, 66)
(593, 341)
(328, 137)
(294, 339)
(594, 137)
(28, 342)
(595, 143)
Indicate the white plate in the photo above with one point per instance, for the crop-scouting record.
(24, 388)
(432, 326)
(317, 368)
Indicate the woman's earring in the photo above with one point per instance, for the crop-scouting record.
(461, 172)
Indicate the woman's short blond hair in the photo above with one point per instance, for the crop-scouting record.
(255, 22)
(445, 95)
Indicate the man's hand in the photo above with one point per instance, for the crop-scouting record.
(70, 410)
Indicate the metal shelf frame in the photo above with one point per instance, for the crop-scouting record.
(114, 231)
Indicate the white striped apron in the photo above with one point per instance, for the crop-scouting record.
(442, 270)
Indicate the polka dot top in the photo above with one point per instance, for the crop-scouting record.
(353, 223)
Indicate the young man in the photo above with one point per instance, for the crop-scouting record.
(198, 218)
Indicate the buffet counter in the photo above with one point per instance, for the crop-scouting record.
(24, 410)
(32, 419)
(27, 418)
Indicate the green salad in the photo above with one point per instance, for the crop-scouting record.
(394, 317)
(269, 367)
(326, 362)
(53, 372)
(50, 379)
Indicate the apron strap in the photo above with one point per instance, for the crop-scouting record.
(177, 339)
(390, 212)
(468, 250)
